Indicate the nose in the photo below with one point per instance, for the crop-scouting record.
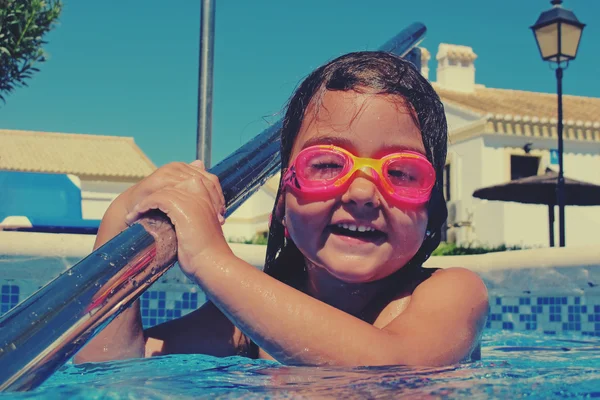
(362, 191)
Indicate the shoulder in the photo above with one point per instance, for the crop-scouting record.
(444, 318)
(452, 288)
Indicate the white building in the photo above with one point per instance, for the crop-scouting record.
(103, 166)
(490, 131)
(497, 135)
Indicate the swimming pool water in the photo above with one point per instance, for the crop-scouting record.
(514, 365)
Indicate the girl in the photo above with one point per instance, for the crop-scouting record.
(359, 209)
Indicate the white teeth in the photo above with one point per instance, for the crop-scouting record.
(360, 228)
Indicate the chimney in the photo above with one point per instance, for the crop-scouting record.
(425, 57)
(456, 68)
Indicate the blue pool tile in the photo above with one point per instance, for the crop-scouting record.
(570, 326)
(555, 309)
(162, 295)
(577, 300)
(536, 309)
(507, 325)
(498, 301)
(495, 317)
(574, 317)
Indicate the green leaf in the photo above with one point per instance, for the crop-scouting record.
(23, 24)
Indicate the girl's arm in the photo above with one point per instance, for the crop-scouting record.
(205, 330)
(440, 326)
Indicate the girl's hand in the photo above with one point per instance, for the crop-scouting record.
(193, 200)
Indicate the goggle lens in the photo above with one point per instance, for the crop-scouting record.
(322, 165)
(407, 173)
(322, 170)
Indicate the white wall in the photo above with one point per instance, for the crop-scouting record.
(96, 196)
(529, 223)
(252, 216)
(465, 160)
(511, 223)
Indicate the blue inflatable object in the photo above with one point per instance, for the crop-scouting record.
(51, 202)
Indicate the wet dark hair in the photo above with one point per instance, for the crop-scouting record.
(380, 73)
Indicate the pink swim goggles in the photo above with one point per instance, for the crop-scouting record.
(324, 171)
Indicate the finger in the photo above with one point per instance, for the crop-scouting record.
(217, 184)
(167, 175)
(171, 199)
(198, 164)
(201, 186)
(213, 185)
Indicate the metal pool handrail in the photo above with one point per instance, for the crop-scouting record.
(44, 331)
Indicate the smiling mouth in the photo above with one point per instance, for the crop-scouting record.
(357, 232)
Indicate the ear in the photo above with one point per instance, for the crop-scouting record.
(280, 207)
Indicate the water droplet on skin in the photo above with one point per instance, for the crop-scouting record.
(12, 346)
(134, 283)
(69, 272)
(103, 256)
(105, 349)
(112, 264)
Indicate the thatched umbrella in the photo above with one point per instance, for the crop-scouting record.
(541, 189)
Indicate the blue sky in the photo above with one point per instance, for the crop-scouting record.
(130, 68)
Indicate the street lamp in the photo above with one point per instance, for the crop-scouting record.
(557, 33)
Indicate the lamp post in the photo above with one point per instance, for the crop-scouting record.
(557, 33)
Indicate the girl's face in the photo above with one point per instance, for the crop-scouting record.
(368, 125)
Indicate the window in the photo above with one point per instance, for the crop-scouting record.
(523, 166)
(447, 183)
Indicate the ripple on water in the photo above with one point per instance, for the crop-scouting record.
(513, 365)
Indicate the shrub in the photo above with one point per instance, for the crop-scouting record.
(451, 249)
